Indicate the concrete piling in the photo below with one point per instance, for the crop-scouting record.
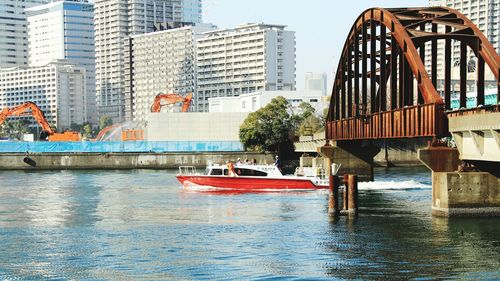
(345, 201)
(352, 193)
(333, 202)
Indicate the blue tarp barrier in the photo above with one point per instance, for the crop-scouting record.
(115, 146)
(471, 102)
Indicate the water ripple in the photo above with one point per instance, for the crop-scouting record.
(141, 225)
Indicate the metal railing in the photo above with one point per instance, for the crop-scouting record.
(427, 120)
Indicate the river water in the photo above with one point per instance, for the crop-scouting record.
(141, 225)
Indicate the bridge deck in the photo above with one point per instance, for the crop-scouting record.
(477, 133)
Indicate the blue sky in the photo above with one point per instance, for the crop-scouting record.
(321, 26)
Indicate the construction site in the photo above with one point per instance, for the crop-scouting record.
(165, 139)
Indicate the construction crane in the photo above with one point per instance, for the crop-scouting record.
(171, 99)
(24, 108)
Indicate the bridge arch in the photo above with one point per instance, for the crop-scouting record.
(397, 62)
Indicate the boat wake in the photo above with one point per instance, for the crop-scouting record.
(393, 185)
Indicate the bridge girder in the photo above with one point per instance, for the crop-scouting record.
(393, 42)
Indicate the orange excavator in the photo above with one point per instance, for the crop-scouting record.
(23, 109)
(171, 99)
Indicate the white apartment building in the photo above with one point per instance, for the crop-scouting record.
(249, 58)
(13, 32)
(115, 21)
(65, 30)
(485, 14)
(316, 82)
(254, 101)
(162, 62)
(58, 89)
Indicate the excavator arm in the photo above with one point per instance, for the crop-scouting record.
(37, 113)
(22, 110)
(171, 99)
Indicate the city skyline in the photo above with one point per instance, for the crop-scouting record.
(317, 50)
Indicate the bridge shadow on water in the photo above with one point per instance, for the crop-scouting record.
(395, 237)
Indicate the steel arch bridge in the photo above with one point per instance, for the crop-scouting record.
(382, 88)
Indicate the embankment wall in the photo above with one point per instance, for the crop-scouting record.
(56, 161)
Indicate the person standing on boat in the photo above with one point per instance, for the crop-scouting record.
(230, 170)
(277, 163)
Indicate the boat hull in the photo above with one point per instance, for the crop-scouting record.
(249, 183)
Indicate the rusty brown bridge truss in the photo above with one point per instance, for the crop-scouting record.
(382, 88)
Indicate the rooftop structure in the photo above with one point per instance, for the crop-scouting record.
(254, 101)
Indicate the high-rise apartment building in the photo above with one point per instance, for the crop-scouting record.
(115, 21)
(161, 62)
(485, 14)
(65, 30)
(316, 82)
(249, 58)
(58, 88)
(13, 31)
(191, 10)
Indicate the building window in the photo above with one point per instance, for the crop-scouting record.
(254, 103)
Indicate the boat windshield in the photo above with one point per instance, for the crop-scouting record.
(219, 171)
(250, 172)
(216, 172)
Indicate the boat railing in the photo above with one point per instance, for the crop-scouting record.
(187, 170)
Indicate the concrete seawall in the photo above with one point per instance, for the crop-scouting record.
(57, 161)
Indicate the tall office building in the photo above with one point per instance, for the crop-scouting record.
(161, 62)
(65, 30)
(13, 31)
(249, 58)
(316, 82)
(115, 21)
(58, 89)
(485, 14)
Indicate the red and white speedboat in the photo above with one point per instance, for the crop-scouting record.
(251, 178)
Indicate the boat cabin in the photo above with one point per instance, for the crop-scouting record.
(244, 170)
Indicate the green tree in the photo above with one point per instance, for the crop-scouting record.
(76, 127)
(87, 131)
(306, 110)
(6, 129)
(15, 129)
(308, 121)
(105, 121)
(310, 125)
(21, 127)
(269, 128)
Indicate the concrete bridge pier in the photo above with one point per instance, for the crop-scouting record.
(355, 157)
(458, 193)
